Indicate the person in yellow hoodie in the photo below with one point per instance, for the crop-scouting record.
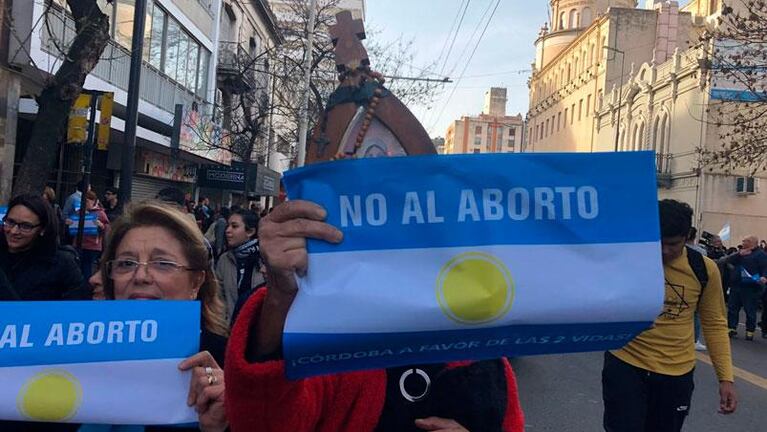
(647, 385)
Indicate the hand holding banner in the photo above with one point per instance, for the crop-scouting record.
(111, 362)
(475, 256)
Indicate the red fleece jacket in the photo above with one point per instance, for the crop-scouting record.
(260, 398)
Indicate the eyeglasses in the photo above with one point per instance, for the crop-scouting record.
(120, 269)
(24, 227)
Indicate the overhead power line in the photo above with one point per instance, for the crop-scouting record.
(455, 36)
(469, 41)
(449, 33)
(509, 72)
(466, 66)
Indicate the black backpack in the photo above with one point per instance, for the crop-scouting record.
(698, 265)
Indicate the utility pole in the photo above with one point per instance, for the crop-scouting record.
(134, 88)
(90, 143)
(303, 125)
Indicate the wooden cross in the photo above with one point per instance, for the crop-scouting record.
(347, 35)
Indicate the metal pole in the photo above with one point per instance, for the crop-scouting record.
(131, 121)
(88, 163)
(620, 92)
(270, 135)
(60, 173)
(620, 96)
(303, 125)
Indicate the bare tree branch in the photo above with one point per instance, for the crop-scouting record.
(738, 61)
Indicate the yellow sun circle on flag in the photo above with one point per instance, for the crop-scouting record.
(51, 395)
(475, 288)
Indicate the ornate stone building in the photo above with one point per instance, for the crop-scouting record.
(646, 91)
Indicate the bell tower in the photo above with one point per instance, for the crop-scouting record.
(569, 18)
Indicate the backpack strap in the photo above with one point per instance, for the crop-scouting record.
(698, 265)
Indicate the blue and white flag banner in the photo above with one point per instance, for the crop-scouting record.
(89, 225)
(109, 362)
(3, 212)
(724, 233)
(470, 257)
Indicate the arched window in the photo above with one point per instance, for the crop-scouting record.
(586, 16)
(583, 60)
(640, 144)
(575, 66)
(664, 135)
(562, 21)
(656, 134)
(634, 137)
(602, 47)
(623, 139)
(569, 72)
(600, 100)
(591, 55)
(573, 21)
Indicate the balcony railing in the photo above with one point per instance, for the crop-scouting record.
(240, 71)
(235, 68)
(663, 169)
(114, 66)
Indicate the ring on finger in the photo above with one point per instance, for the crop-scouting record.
(211, 380)
(208, 371)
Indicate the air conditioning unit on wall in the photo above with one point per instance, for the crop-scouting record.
(746, 185)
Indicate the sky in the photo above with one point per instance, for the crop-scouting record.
(502, 57)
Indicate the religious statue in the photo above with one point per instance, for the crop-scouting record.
(362, 117)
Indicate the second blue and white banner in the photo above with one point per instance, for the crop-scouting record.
(475, 256)
(107, 362)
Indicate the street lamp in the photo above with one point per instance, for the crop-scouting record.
(620, 91)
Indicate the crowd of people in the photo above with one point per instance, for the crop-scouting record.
(153, 250)
(744, 275)
(165, 249)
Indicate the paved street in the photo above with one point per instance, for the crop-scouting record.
(563, 392)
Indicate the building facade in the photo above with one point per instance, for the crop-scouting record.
(649, 91)
(248, 46)
(185, 44)
(570, 79)
(180, 47)
(490, 132)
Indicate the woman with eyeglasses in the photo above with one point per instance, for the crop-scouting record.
(30, 256)
(36, 268)
(155, 252)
